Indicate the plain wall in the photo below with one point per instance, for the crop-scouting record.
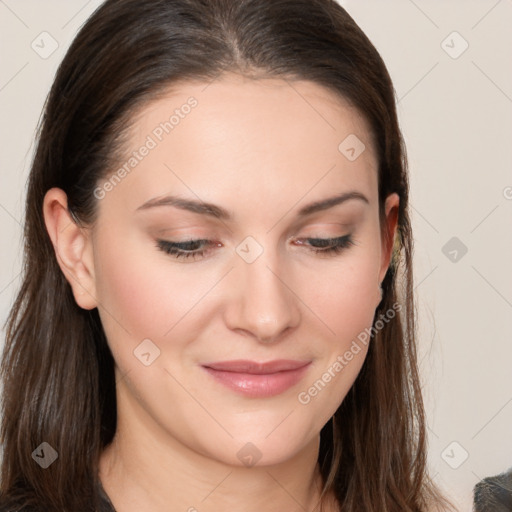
(455, 109)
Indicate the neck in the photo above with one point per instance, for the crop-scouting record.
(146, 468)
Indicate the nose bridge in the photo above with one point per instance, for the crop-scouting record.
(263, 304)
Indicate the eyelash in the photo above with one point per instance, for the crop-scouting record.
(183, 250)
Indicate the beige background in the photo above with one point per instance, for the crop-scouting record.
(455, 108)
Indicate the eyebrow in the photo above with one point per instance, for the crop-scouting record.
(218, 212)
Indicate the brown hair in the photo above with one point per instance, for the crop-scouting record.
(57, 369)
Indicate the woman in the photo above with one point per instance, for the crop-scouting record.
(217, 307)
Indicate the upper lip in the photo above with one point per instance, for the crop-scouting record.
(253, 367)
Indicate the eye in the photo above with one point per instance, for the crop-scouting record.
(187, 249)
(195, 249)
(327, 246)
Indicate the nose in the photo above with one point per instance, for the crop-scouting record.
(262, 304)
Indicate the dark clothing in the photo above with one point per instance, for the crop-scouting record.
(492, 494)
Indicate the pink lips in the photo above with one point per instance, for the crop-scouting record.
(255, 379)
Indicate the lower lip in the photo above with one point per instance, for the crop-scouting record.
(259, 386)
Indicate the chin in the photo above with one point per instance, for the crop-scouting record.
(259, 450)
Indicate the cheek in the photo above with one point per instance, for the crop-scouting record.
(141, 294)
(344, 300)
(144, 295)
(128, 291)
(344, 296)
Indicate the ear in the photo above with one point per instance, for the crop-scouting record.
(388, 238)
(73, 247)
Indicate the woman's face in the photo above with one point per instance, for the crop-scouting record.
(239, 165)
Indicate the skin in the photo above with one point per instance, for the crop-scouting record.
(261, 149)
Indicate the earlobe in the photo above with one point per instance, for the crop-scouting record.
(72, 246)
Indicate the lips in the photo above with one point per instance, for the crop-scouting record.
(255, 368)
(256, 379)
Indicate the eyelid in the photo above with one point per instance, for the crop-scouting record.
(321, 223)
(321, 246)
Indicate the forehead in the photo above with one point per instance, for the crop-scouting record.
(240, 138)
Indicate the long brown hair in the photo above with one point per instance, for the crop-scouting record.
(57, 370)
